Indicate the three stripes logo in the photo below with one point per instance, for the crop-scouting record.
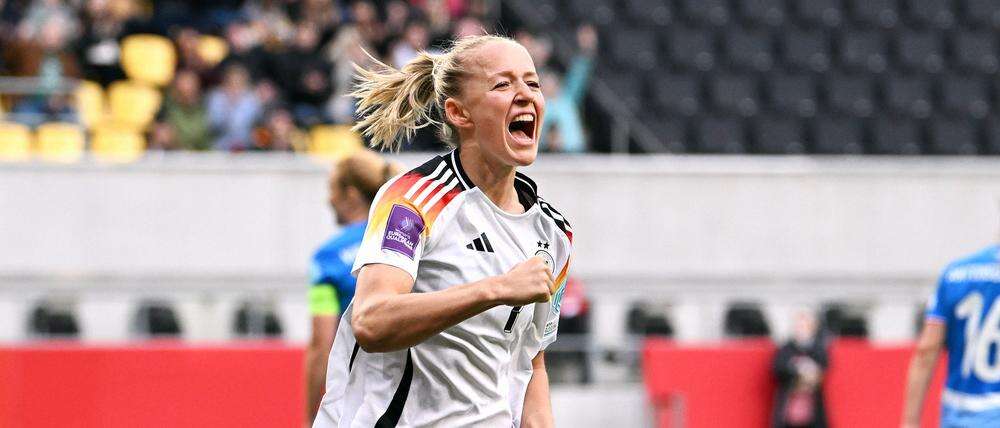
(482, 243)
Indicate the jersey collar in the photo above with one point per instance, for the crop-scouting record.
(527, 190)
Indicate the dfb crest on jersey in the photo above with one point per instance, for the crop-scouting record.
(546, 256)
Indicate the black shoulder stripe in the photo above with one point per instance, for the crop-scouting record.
(391, 416)
(354, 354)
(557, 217)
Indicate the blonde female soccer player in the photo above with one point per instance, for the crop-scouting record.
(462, 265)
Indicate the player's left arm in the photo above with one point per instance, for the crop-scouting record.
(537, 411)
(325, 310)
(922, 365)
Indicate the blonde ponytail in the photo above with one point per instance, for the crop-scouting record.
(393, 104)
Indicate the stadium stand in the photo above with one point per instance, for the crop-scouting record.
(15, 141)
(60, 142)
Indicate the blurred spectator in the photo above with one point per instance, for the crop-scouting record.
(800, 367)
(468, 26)
(183, 120)
(43, 12)
(562, 130)
(279, 133)
(365, 18)
(188, 56)
(415, 38)
(233, 108)
(304, 75)
(397, 16)
(245, 48)
(46, 57)
(99, 48)
(348, 49)
(574, 325)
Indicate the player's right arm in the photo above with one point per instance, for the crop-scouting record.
(922, 365)
(388, 317)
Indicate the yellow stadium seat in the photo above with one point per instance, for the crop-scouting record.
(134, 104)
(212, 49)
(59, 142)
(90, 103)
(333, 142)
(149, 58)
(117, 144)
(15, 141)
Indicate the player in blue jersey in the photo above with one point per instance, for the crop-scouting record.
(963, 318)
(353, 183)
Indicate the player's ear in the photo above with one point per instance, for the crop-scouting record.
(457, 114)
(353, 193)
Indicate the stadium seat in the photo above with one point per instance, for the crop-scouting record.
(59, 142)
(256, 320)
(931, 13)
(90, 103)
(879, 13)
(333, 142)
(975, 51)
(672, 134)
(156, 318)
(863, 50)
(116, 143)
(714, 12)
(952, 136)
(895, 136)
(133, 103)
(634, 49)
(985, 13)
(749, 49)
(843, 320)
(52, 320)
(778, 135)
(763, 12)
(908, 95)
(678, 94)
(599, 12)
(212, 49)
(966, 95)
(655, 13)
(721, 135)
(829, 13)
(805, 49)
(745, 320)
(852, 95)
(735, 94)
(792, 94)
(628, 89)
(837, 135)
(920, 51)
(991, 144)
(691, 48)
(149, 58)
(15, 142)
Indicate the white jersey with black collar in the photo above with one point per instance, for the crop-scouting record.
(435, 224)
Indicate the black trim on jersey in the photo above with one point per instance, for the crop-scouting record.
(391, 416)
(527, 190)
(455, 163)
(354, 353)
(548, 209)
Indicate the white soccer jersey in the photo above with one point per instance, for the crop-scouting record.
(435, 224)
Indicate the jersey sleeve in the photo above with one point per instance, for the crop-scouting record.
(396, 231)
(937, 304)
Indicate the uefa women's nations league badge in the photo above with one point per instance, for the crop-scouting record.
(543, 252)
(402, 231)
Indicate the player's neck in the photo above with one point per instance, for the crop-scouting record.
(495, 180)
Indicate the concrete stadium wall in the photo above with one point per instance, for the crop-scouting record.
(693, 233)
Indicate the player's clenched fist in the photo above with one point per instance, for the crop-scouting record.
(527, 282)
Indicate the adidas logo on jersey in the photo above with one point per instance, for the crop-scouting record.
(482, 243)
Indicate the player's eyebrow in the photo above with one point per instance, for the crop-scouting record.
(511, 74)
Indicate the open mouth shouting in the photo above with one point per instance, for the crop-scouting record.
(522, 128)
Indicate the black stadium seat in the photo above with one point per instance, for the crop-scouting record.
(598, 12)
(721, 135)
(793, 94)
(966, 95)
(634, 49)
(691, 47)
(952, 136)
(837, 135)
(931, 13)
(991, 143)
(984, 13)
(648, 12)
(806, 49)
(895, 136)
(778, 135)
(749, 49)
(678, 94)
(672, 133)
(852, 95)
(863, 50)
(763, 12)
(879, 13)
(829, 13)
(735, 94)
(920, 50)
(714, 12)
(975, 51)
(908, 95)
(626, 88)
